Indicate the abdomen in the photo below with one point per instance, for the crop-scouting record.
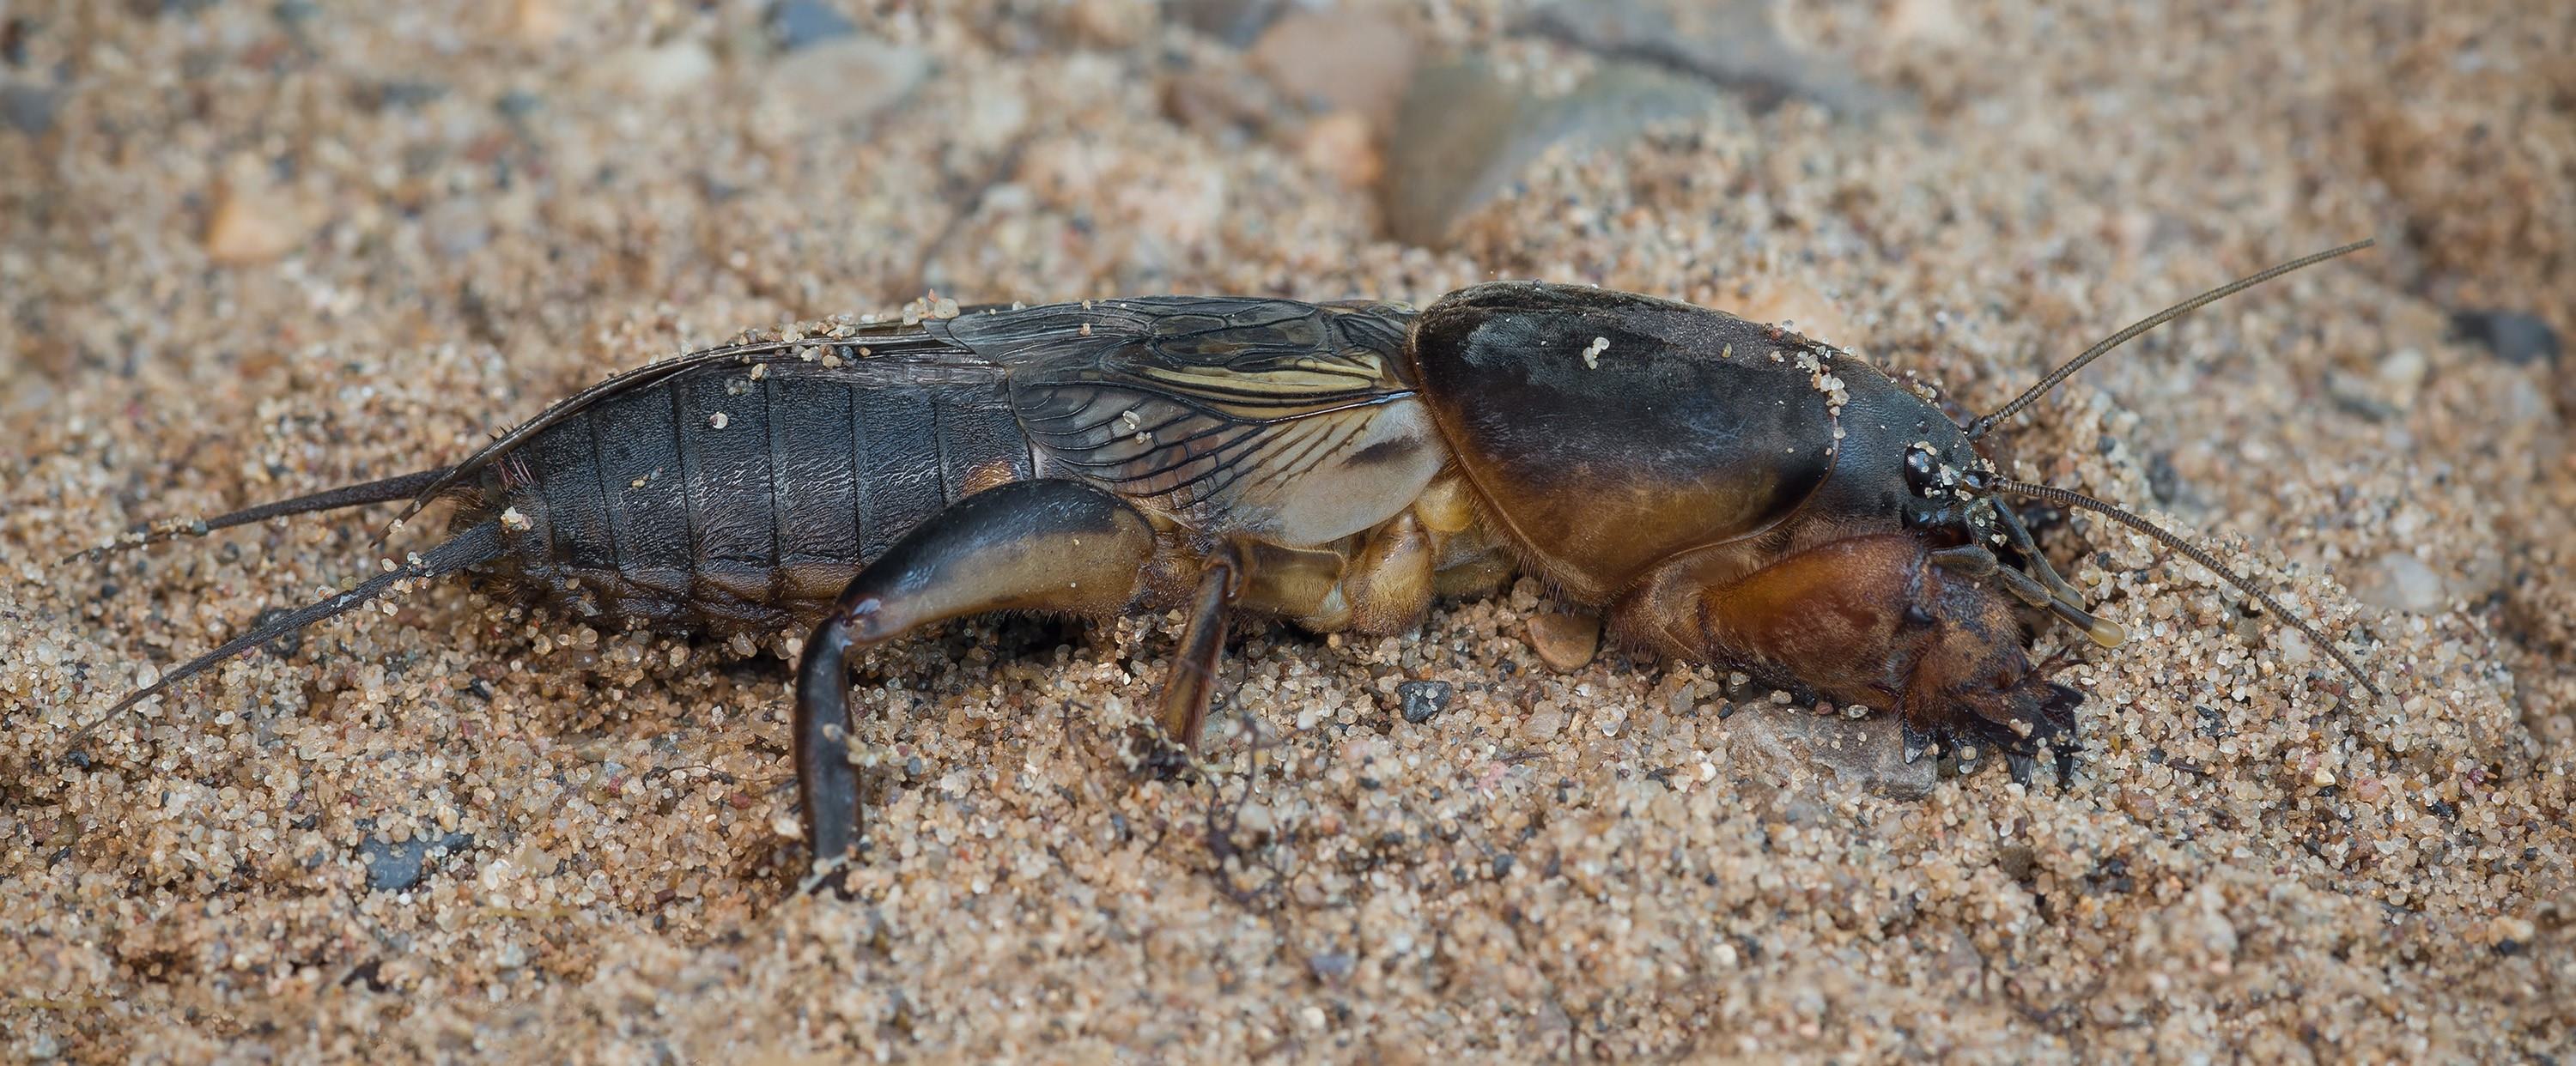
(723, 500)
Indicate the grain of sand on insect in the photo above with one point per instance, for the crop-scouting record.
(251, 250)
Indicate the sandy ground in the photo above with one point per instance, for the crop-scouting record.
(249, 249)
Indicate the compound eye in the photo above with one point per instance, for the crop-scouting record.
(1922, 471)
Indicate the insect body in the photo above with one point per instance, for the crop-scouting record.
(1724, 491)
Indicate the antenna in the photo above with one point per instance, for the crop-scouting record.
(2058, 376)
(2066, 498)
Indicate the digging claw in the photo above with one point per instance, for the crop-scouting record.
(1918, 743)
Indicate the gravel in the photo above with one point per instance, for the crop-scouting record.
(227, 280)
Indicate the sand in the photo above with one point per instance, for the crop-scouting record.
(250, 250)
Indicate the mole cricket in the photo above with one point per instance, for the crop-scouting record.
(1725, 492)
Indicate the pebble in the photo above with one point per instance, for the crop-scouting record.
(2516, 337)
(1463, 133)
(1235, 22)
(1565, 642)
(27, 106)
(251, 225)
(841, 81)
(538, 21)
(2399, 581)
(1795, 304)
(794, 24)
(1736, 44)
(1341, 145)
(2401, 377)
(1331, 965)
(655, 73)
(394, 866)
(1423, 699)
(1354, 60)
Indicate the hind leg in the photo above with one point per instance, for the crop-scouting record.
(1047, 545)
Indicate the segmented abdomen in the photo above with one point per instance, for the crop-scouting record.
(726, 499)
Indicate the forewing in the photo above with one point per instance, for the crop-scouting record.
(1288, 420)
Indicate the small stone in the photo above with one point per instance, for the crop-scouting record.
(1795, 305)
(2399, 581)
(1236, 22)
(251, 226)
(2401, 377)
(1423, 699)
(393, 867)
(1341, 146)
(2514, 336)
(1463, 134)
(1331, 965)
(28, 107)
(657, 73)
(518, 104)
(538, 21)
(401, 94)
(1565, 642)
(795, 24)
(2164, 482)
(1545, 721)
(841, 81)
(1933, 23)
(1354, 60)
(1213, 100)
(1735, 44)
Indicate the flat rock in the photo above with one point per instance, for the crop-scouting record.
(1355, 61)
(843, 80)
(2516, 337)
(1733, 44)
(1463, 134)
(1865, 754)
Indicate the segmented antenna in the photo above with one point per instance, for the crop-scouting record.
(2066, 498)
(2058, 376)
(388, 490)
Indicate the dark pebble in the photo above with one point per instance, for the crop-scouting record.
(2163, 481)
(29, 109)
(1734, 44)
(286, 644)
(404, 95)
(518, 104)
(797, 23)
(2515, 337)
(1422, 699)
(1236, 22)
(1331, 965)
(396, 867)
(1502, 865)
